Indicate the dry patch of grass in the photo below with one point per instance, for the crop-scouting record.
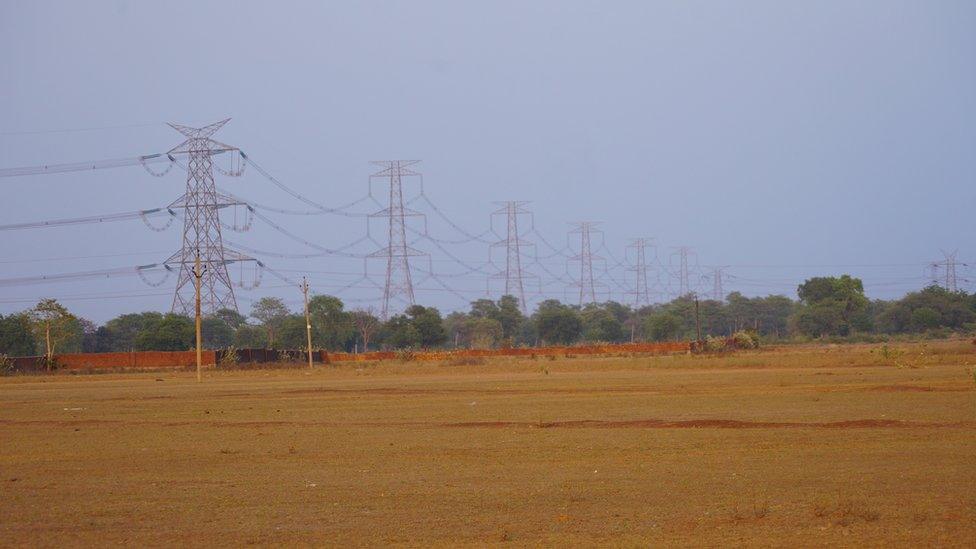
(846, 510)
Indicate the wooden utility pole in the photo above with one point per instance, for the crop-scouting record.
(308, 321)
(697, 319)
(198, 275)
(47, 339)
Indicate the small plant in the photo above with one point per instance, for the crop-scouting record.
(6, 365)
(760, 508)
(229, 358)
(846, 511)
(821, 507)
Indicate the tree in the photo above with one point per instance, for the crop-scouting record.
(119, 334)
(231, 318)
(54, 325)
(830, 306)
(400, 333)
(664, 326)
(484, 308)
(456, 328)
(939, 308)
(557, 323)
(271, 313)
(429, 325)
(366, 324)
(16, 335)
(217, 334)
(291, 332)
(88, 341)
(333, 328)
(171, 332)
(510, 317)
(250, 337)
(600, 324)
(482, 333)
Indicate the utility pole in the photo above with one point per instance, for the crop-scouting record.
(198, 272)
(397, 253)
(698, 320)
(513, 274)
(308, 322)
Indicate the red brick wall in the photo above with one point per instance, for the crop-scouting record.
(134, 360)
(650, 348)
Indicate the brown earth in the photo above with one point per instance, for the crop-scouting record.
(792, 446)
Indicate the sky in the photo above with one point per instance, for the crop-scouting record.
(781, 140)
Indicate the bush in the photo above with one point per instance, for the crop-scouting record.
(6, 365)
(745, 340)
(714, 344)
(229, 358)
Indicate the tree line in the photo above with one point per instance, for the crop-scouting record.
(826, 307)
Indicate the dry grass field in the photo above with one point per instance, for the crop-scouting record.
(849, 445)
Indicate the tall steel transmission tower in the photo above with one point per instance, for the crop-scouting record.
(683, 269)
(513, 274)
(949, 280)
(717, 275)
(641, 292)
(201, 226)
(587, 285)
(397, 252)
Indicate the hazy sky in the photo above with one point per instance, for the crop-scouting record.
(784, 139)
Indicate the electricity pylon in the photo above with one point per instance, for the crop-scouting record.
(201, 226)
(513, 274)
(683, 269)
(949, 281)
(641, 292)
(717, 275)
(397, 253)
(587, 285)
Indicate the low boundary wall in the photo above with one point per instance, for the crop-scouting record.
(646, 348)
(135, 360)
(153, 360)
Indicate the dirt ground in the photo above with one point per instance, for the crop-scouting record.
(856, 445)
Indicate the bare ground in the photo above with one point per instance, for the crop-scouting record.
(812, 446)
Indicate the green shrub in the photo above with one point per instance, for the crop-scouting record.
(714, 344)
(745, 340)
